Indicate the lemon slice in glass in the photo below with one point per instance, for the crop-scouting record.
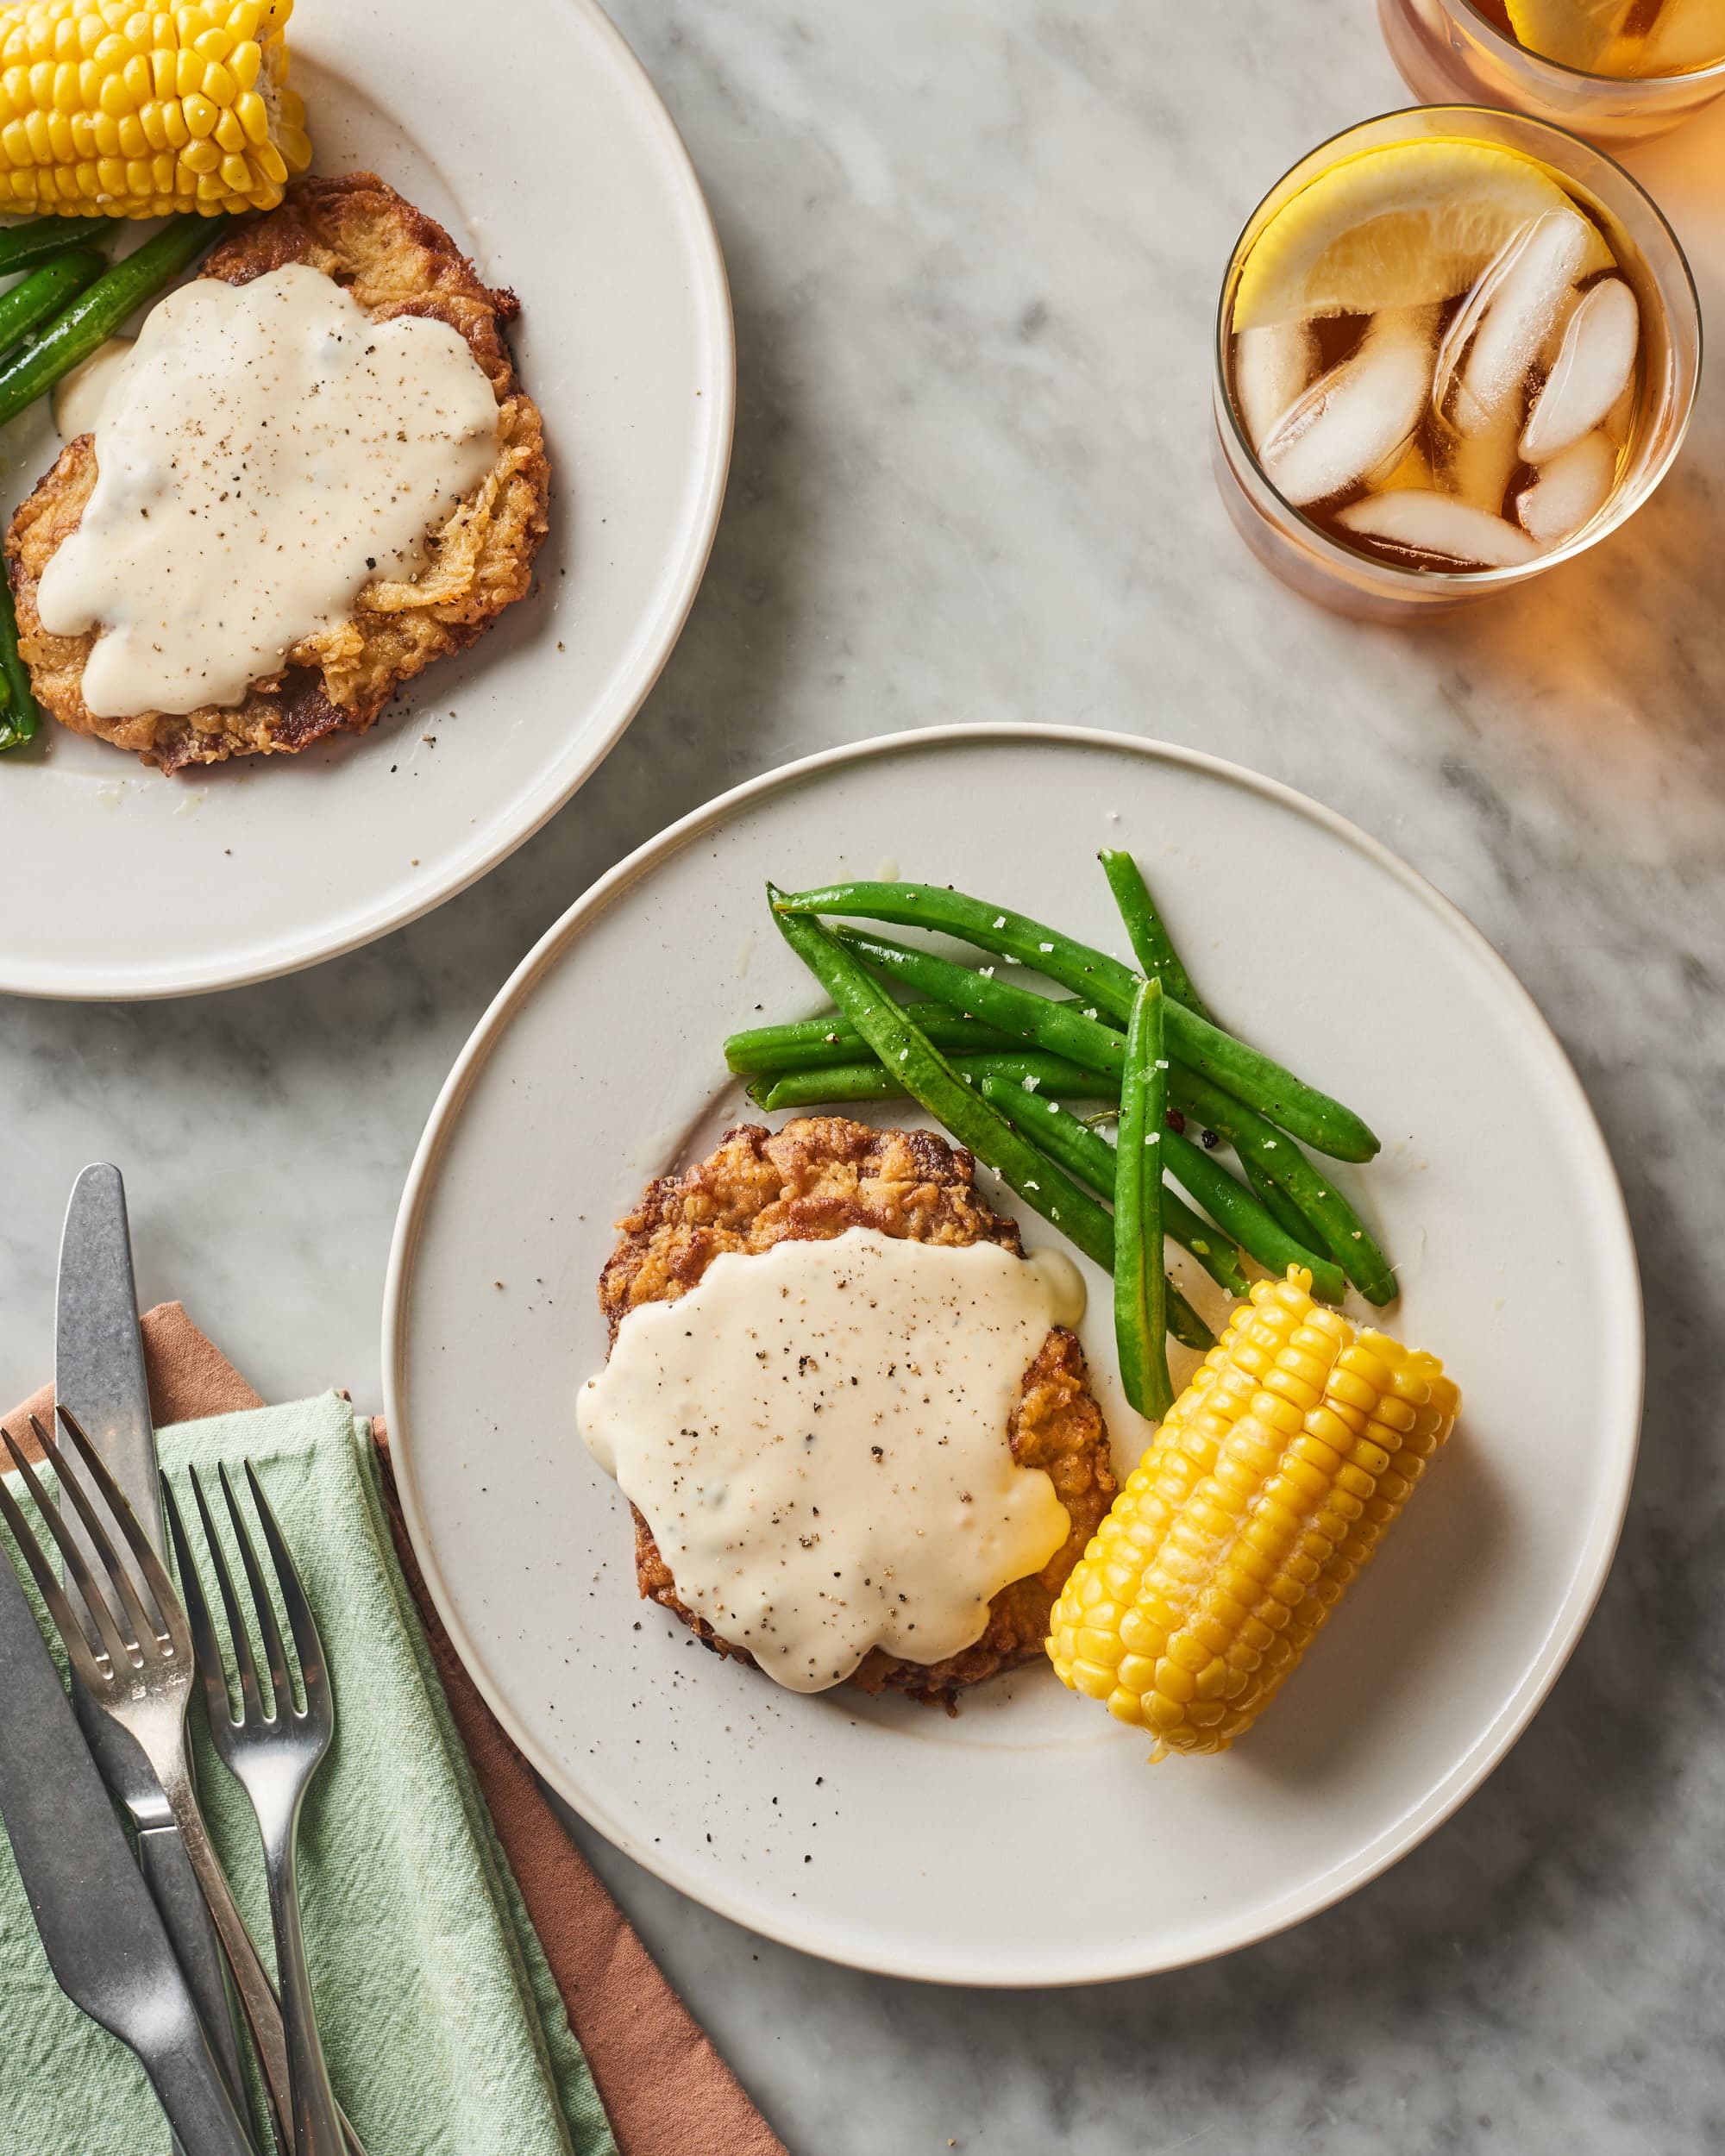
(1582, 34)
(1401, 227)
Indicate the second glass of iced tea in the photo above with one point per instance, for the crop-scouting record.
(1616, 71)
(1455, 346)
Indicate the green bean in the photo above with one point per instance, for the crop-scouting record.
(1065, 1030)
(825, 1086)
(1256, 1079)
(1141, 1287)
(1253, 1138)
(930, 1080)
(1089, 974)
(1150, 942)
(23, 246)
(1035, 1021)
(1280, 1206)
(1067, 1139)
(93, 317)
(22, 715)
(45, 291)
(819, 1043)
(1251, 1224)
(927, 1077)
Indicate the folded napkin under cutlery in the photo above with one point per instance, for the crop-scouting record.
(463, 1938)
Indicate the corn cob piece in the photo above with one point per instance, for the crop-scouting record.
(134, 111)
(1270, 1483)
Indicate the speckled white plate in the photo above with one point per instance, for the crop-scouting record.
(1025, 1841)
(565, 180)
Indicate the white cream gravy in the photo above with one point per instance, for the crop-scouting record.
(78, 399)
(264, 452)
(817, 1436)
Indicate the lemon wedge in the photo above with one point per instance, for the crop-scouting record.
(1582, 34)
(1402, 227)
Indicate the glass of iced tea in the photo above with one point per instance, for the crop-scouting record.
(1616, 71)
(1455, 346)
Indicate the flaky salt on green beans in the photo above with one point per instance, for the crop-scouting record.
(1153, 946)
(836, 1083)
(930, 1080)
(1257, 1078)
(1259, 1144)
(1069, 1141)
(1140, 1285)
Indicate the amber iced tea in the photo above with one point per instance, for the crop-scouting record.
(1439, 361)
(1628, 40)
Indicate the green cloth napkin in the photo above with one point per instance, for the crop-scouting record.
(444, 2028)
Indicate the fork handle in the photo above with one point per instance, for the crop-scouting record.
(317, 2121)
(251, 1979)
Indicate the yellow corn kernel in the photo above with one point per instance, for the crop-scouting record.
(97, 95)
(1270, 1483)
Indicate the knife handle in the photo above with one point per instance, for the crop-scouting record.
(175, 1888)
(184, 2074)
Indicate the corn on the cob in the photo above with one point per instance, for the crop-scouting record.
(1270, 1483)
(138, 112)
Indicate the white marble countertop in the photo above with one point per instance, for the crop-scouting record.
(974, 252)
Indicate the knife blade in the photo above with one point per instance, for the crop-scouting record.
(99, 1374)
(101, 1932)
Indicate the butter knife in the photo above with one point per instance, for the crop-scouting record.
(100, 1929)
(99, 1374)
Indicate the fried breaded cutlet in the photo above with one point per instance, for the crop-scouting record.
(810, 1181)
(394, 260)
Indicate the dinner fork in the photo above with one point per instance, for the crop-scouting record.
(137, 1668)
(273, 1755)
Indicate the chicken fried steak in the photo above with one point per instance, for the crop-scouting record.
(394, 261)
(813, 1181)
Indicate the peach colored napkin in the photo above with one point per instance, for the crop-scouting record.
(666, 2091)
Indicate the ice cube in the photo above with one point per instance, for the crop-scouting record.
(1468, 316)
(1532, 283)
(1572, 488)
(1273, 365)
(1436, 524)
(1592, 370)
(1359, 414)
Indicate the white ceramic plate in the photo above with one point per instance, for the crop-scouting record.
(529, 130)
(1025, 1841)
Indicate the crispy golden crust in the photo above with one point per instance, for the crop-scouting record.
(810, 1181)
(395, 261)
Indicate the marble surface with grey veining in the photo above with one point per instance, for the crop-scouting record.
(975, 249)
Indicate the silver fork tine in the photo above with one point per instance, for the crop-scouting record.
(115, 1649)
(46, 1579)
(250, 1699)
(282, 1700)
(155, 1574)
(204, 1644)
(146, 1634)
(306, 1642)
